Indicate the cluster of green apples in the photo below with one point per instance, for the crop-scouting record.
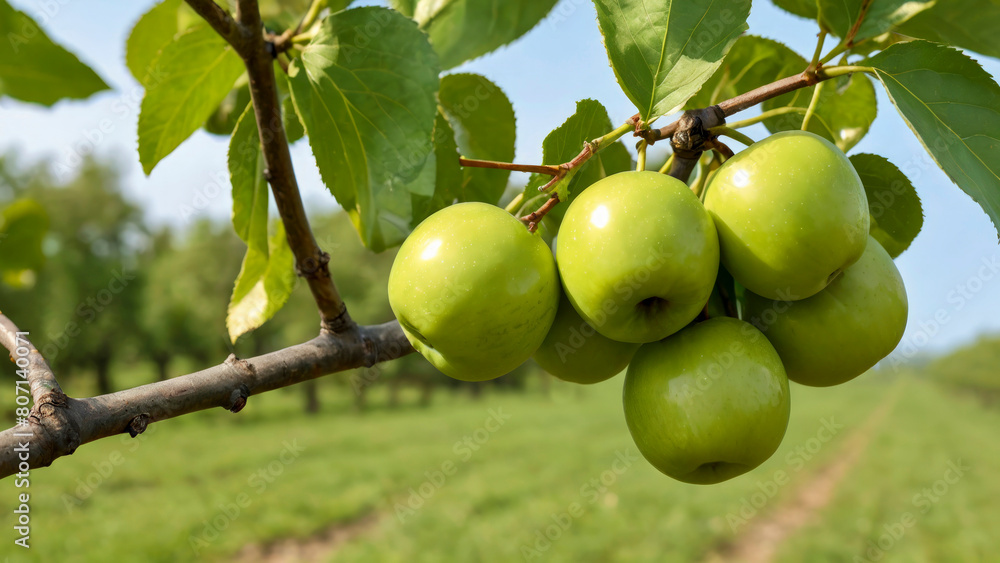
(636, 261)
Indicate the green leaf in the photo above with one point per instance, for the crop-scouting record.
(953, 106)
(662, 51)
(844, 114)
(250, 189)
(564, 143)
(368, 108)
(803, 8)
(462, 30)
(224, 118)
(969, 24)
(293, 127)
(263, 286)
(197, 71)
(752, 62)
(484, 124)
(405, 7)
(34, 69)
(23, 225)
(896, 213)
(839, 16)
(152, 32)
(449, 177)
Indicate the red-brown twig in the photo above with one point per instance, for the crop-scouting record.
(532, 219)
(530, 168)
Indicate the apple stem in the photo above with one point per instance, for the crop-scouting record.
(666, 165)
(514, 203)
(817, 93)
(698, 186)
(728, 303)
(719, 147)
(732, 133)
(282, 62)
(765, 116)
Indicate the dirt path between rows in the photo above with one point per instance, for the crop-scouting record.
(317, 547)
(760, 540)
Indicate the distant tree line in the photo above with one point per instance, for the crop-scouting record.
(115, 293)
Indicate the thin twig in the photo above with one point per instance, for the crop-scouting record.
(593, 147)
(548, 169)
(562, 172)
(310, 260)
(767, 92)
(756, 96)
(282, 62)
(732, 133)
(315, 8)
(640, 165)
(719, 147)
(813, 104)
(765, 116)
(532, 219)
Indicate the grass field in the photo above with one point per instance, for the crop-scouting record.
(489, 480)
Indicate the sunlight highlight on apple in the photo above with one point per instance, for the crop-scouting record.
(431, 250)
(600, 217)
(741, 179)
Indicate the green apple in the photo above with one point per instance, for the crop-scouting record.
(842, 331)
(709, 403)
(638, 256)
(573, 351)
(791, 213)
(474, 291)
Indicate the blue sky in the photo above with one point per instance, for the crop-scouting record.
(952, 271)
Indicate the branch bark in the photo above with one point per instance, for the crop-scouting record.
(61, 424)
(40, 378)
(222, 23)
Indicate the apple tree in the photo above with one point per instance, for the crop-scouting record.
(716, 278)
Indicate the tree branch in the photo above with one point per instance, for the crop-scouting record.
(222, 23)
(57, 428)
(685, 132)
(248, 15)
(41, 380)
(310, 260)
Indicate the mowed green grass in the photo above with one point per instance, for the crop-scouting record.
(549, 469)
(928, 489)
